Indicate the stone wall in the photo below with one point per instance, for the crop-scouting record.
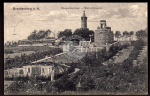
(103, 36)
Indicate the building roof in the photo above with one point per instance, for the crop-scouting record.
(102, 20)
(58, 58)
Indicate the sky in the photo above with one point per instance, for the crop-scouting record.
(18, 24)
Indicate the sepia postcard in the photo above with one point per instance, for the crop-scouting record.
(75, 48)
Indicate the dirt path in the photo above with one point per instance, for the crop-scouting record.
(120, 56)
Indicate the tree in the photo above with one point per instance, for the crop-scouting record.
(48, 32)
(125, 34)
(117, 35)
(141, 34)
(85, 33)
(66, 33)
(131, 35)
(39, 35)
(32, 36)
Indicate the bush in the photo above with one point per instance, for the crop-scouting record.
(8, 51)
(50, 87)
(63, 84)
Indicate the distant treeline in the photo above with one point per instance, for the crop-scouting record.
(140, 34)
(85, 33)
(36, 35)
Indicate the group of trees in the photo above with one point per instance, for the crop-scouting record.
(36, 35)
(134, 53)
(11, 44)
(8, 51)
(117, 77)
(141, 34)
(66, 33)
(26, 59)
(96, 58)
(125, 34)
(114, 78)
(91, 69)
(84, 33)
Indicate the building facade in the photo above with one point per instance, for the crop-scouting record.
(84, 46)
(103, 35)
(35, 70)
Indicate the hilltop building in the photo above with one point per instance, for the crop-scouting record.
(103, 35)
(103, 38)
(84, 21)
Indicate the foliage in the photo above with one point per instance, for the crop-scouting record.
(126, 33)
(39, 35)
(141, 34)
(114, 77)
(66, 33)
(63, 84)
(95, 59)
(138, 44)
(26, 59)
(85, 33)
(29, 48)
(51, 87)
(131, 34)
(10, 44)
(8, 51)
(117, 35)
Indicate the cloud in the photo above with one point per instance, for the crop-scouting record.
(130, 16)
(102, 14)
(128, 11)
(59, 16)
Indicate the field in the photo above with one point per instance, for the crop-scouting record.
(18, 54)
(28, 48)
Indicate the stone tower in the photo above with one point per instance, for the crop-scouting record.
(103, 35)
(84, 21)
